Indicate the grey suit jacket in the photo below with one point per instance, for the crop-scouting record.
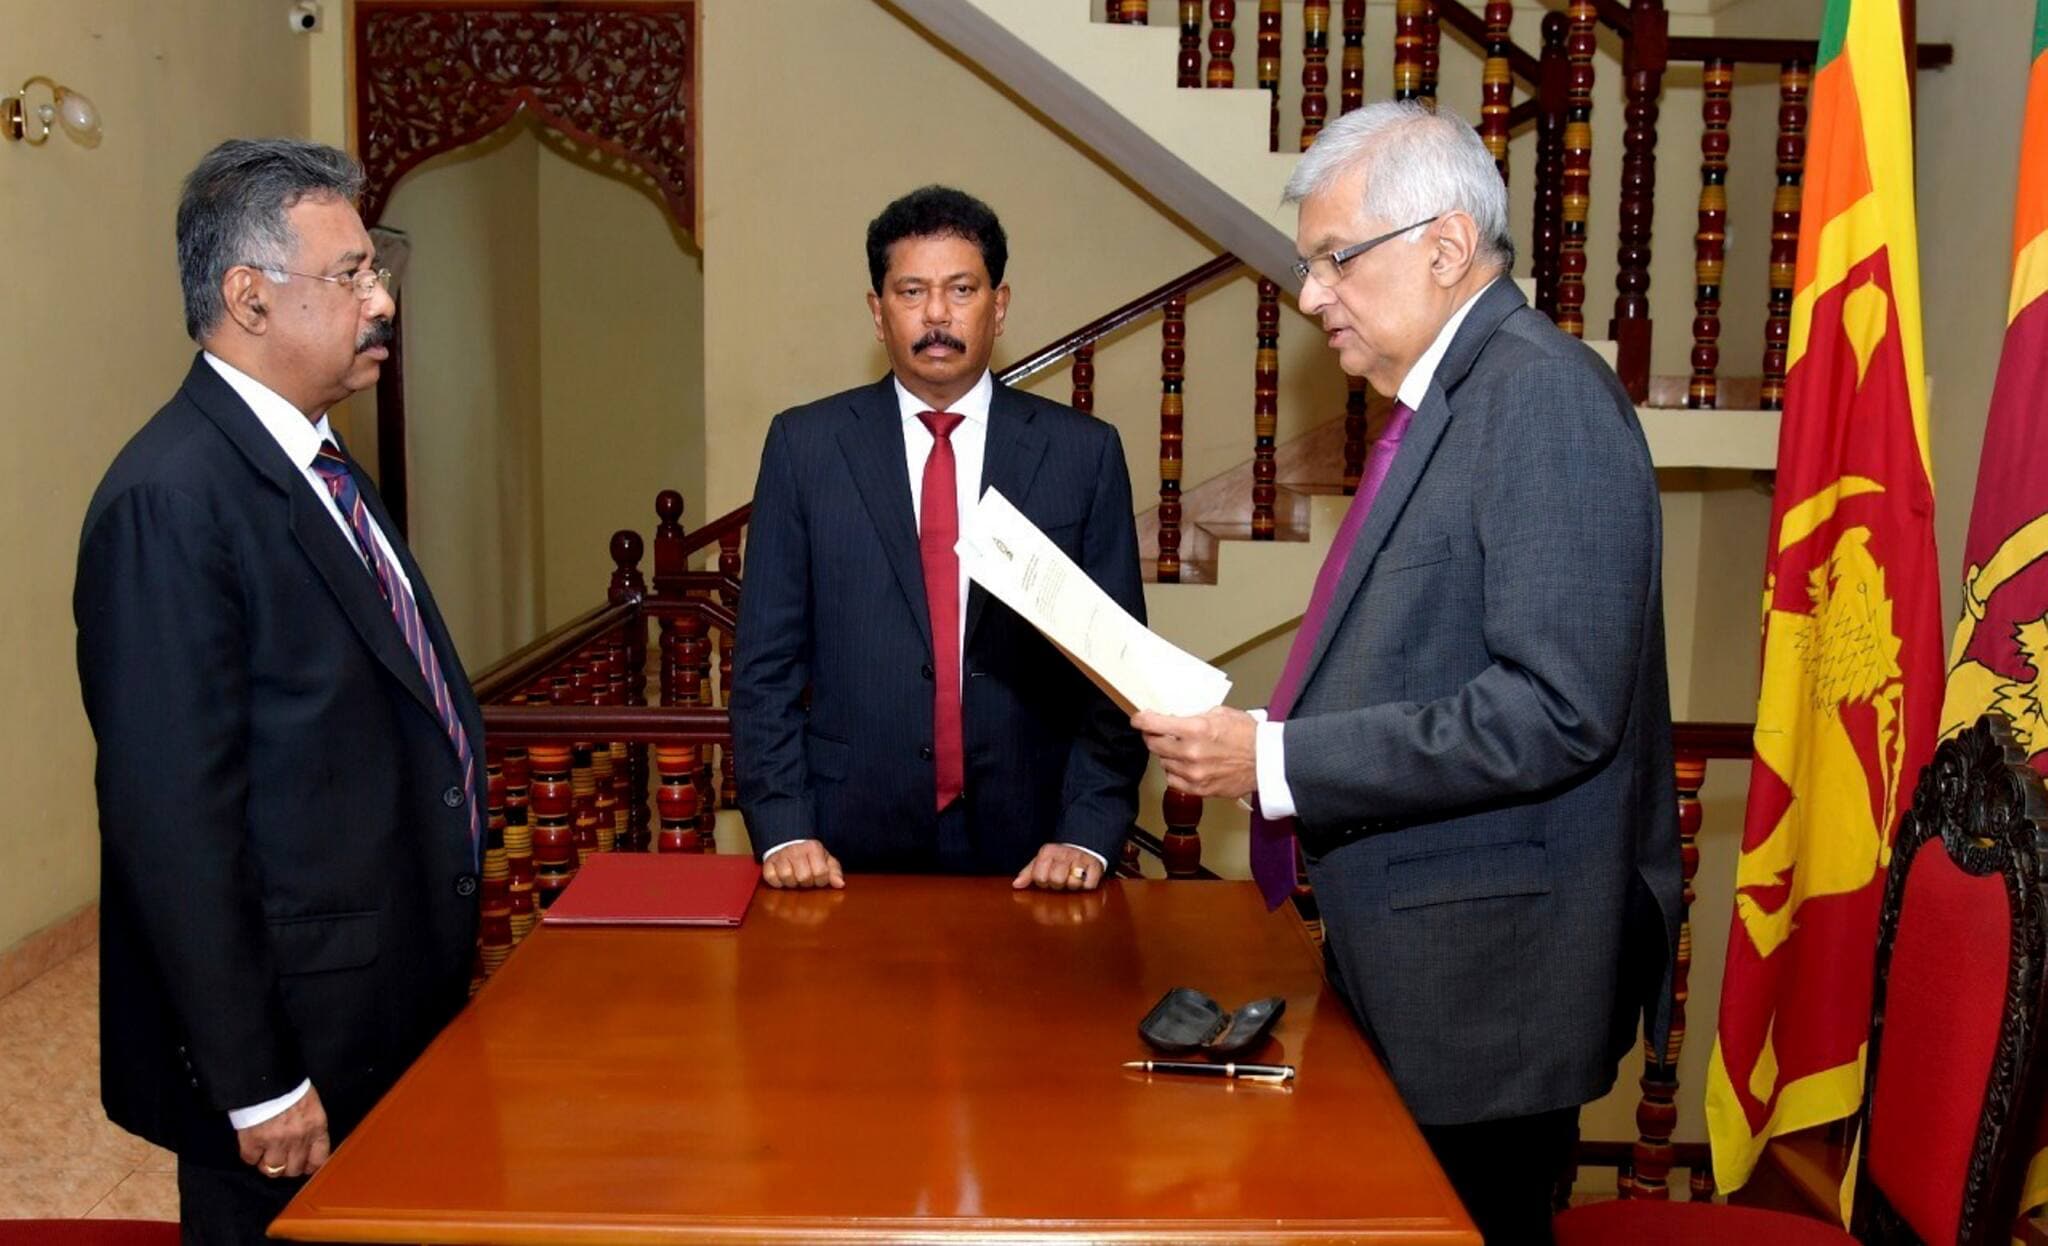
(1481, 752)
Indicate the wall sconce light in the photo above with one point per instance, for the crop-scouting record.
(66, 108)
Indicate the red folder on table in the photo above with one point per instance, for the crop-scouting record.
(664, 889)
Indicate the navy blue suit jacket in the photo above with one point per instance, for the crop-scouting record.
(835, 603)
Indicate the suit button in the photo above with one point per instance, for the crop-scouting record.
(924, 752)
(452, 798)
(465, 885)
(927, 671)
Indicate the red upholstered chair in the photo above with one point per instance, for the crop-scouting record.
(1952, 1090)
(88, 1233)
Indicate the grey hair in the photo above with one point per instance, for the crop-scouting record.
(233, 211)
(1432, 161)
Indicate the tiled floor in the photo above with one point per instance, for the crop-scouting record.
(59, 1155)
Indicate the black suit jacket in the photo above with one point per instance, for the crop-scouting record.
(287, 888)
(835, 602)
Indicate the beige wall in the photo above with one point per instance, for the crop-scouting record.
(96, 344)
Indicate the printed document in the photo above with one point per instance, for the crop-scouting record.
(1018, 565)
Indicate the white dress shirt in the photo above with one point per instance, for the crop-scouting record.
(1269, 749)
(300, 438)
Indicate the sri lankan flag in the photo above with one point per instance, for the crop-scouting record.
(1999, 658)
(1851, 685)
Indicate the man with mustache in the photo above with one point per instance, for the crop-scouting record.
(290, 771)
(940, 731)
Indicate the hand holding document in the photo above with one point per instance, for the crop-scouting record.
(1007, 555)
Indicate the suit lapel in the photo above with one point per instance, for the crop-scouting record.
(1009, 462)
(1489, 308)
(872, 443)
(332, 553)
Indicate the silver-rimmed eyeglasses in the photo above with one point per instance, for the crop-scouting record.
(1328, 268)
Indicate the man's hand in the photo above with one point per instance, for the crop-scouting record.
(804, 863)
(1060, 867)
(1211, 754)
(291, 1144)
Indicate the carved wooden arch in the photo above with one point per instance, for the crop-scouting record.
(436, 75)
(432, 76)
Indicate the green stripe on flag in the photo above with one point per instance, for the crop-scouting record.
(1834, 30)
(2040, 28)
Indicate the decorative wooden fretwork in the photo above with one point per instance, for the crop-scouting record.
(1710, 240)
(1795, 79)
(1315, 68)
(1222, 44)
(618, 77)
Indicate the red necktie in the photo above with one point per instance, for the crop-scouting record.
(937, 530)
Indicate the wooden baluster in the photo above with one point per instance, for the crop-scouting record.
(1407, 49)
(1084, 378)
(1657, 1111)
(494, 927)
(554, 837)
(1551, 105)
(604, 799)
(1642, 84)
(619, 751)
(1172, 357)
(669, 563)
(1580, 42)
(583, 771)
(1430, 59)
(1497, 83)
(1128, 862)
(1222, 43)
(1315, 68)
(1113, 11)
(1181, 846)
(1795, 78)
(519, 841)
(1710, 241)
(1265, 410)
(1135, 12)
(729, 566)
(1351, 96)
(1351, 88)
(1190, 69)
(627, 585)
(688, 649)
(1269, 68)
(677, 798)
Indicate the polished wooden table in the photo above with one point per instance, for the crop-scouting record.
(911, 1059)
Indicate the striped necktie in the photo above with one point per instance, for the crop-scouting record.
(341, 483)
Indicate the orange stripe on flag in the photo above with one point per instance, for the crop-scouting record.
(1837, 171)
(2030, 214)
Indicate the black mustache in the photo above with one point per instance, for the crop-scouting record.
(378, 334)
(937, 338)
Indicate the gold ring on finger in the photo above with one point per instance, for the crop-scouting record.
(273, 1169)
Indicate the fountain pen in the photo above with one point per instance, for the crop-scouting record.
(1202, 1068)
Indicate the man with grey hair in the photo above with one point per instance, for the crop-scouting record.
(1471, 737)
(289, 777)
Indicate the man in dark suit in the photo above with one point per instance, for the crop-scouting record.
(1472, 734)
(941, 732)
(289, 770)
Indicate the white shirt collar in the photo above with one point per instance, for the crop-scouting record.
(973, 405)
(1415, 386)
(299, 437)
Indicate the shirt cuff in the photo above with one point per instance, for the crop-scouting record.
(787, 843)
(256, 1114)
(1099, 858)
(1269, 755)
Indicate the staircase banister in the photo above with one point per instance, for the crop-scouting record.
(630, 724)
(1102, 326)
(712, 612)
(1473, 26)
(708, 535)
(513, 672)
(1778, 51)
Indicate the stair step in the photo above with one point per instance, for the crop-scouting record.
(1192, 571)
(1225, 530)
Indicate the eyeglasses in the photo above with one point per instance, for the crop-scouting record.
(364, 284)
(1328, 268)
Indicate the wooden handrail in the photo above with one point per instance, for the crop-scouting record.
(1148, 842)
(511, 673)
(706, 536)
(631, 724)
(1102, 326)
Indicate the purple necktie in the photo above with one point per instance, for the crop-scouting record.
(333, 469)
(1273, 839)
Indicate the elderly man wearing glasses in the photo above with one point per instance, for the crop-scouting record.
(1470, 740)
(290, 770)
